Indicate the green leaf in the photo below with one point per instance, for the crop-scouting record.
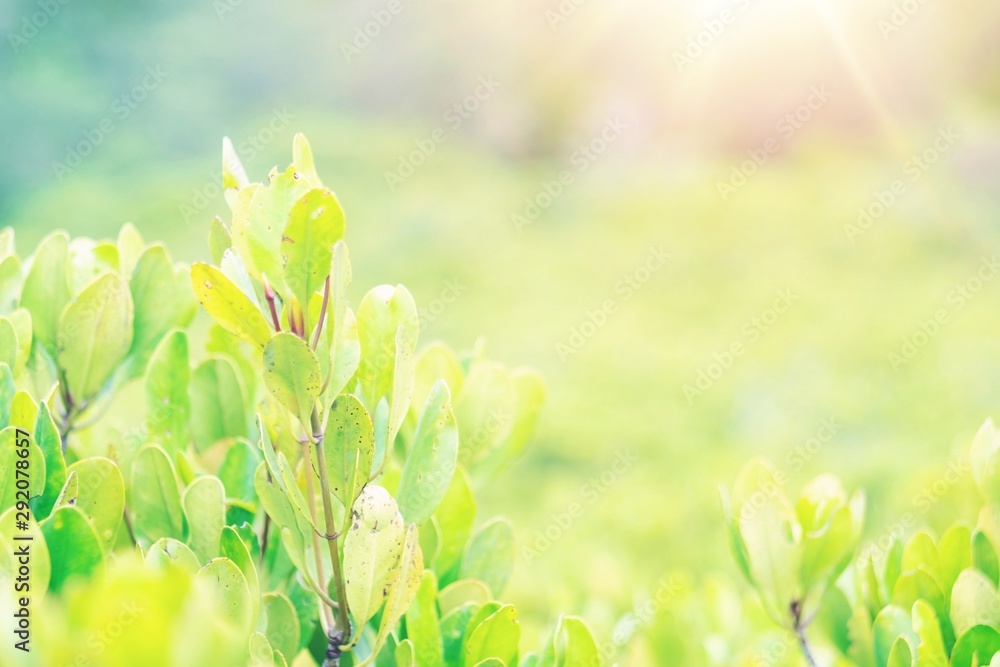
(18, 452)
(292, 375)
(405, 654)
(315, 223)
(204, 503)
(232, 595)
(984, 556)
(529, 392)
(955, 554)
(974, 601)
(23, 411)
(342, 326)
(302, 159)
(237, 471)
(484, 410)
(454, 624)
(40, 570)
(433, 456)
(422, 625)
(101, 496)
(498, 637)
(890, 624)
(95, 333)
(975, 646)
(489, 555)
(403, 588)
(11, 283)
(168, 552)
(219, 240)
(74, 547)
(462, 592)
(372, 550)
(8, 343)
(232, 546)
(388, 326)
(258, 224)
(130, 246)
(901, 654)
(930, 650)
(154, 498)
(21, 319)
(7, 391)
(163, 300)
(46, 288)
(282, 624)
(218, 403)
(228, 305)
(349, 445)
(47, 436)
(167, 401)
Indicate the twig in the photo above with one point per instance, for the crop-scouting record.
(800, 632)
(269, 296)
(322, 313)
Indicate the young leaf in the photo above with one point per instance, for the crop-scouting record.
(231, 546)
(74, 548)
(372, 549)
(163, 300)
(95, 333)
(46, 434)
(11, 447)
(422, 624)
(282, 623)
(316, 222)
(46, 288)
(154, 498)
(388, 326)
(489, 555)
(218, 239)
(402, 589)
(167, 401)
(218, 403)
(228, 305)
(204, 505)
(292, 375)
(342, 326)
(231, 592)
(498, 637)
(101, 496)
(431, 462)
(168, 552)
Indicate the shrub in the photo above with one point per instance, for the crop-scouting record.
(302, 485)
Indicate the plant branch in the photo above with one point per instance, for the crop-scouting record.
(317, 553)
(322, 313)
(331, 527)
(269, 297)
(799, 626)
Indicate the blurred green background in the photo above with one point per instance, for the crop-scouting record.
(739, 139)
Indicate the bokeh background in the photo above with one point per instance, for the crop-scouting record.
(720, 229)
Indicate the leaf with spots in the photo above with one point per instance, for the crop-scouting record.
(232, 595)
(372, 550)
(204, 504)
(349, 445)
(228, 305)
(74, 547)
(316, 222)
(100, 494)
